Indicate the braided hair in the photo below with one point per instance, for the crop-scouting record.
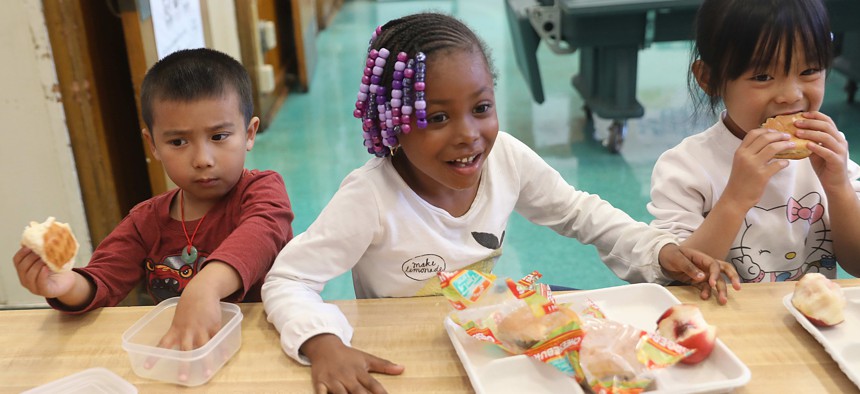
(392, 89)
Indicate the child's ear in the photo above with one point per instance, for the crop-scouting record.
(147, 136)
(702, 73)
(251, 133)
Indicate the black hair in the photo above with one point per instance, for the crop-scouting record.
(429, 33)
(192, 74)
(734, 36)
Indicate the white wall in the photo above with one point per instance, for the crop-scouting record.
(37, 168)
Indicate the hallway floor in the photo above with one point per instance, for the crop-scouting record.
(314, 141)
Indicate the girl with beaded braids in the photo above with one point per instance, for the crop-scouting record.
(437, 197)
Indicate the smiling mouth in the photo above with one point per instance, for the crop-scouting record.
(464, 161)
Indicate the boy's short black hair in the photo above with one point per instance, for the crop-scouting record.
(192, 74)
(733, 36)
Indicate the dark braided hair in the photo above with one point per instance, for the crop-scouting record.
(418, 36)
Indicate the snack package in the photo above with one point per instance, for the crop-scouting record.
(619, 358)
(521, 317)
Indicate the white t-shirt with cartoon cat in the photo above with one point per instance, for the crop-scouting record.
(395, 242)
(786, 234)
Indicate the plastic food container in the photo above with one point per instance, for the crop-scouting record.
(93, 380)
(189, 367)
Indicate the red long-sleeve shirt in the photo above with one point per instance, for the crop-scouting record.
(246, 230)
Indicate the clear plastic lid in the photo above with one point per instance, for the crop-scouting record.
(93, 380)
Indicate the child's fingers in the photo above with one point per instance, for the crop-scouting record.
(705, 290)
(384, 366)
(714, 271)
(183, 372)
(814, 116)
(168, 341)
(371, 384)
(28, 270)
(334, 387)
(722, 294)
(761, 141)
(729, 271)
(826, 146)
(24, 260)
(692, 263)
(20, 255)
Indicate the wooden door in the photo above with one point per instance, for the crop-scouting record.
(142, 54)
(290, 62)
(99, 105)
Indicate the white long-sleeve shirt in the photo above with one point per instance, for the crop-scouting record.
(784, 235)
(395, 242)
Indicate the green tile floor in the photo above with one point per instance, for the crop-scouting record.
(314, 141)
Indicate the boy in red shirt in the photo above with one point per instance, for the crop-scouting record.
(211, 239)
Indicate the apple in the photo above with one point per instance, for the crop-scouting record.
(819, 299)
(685, 325)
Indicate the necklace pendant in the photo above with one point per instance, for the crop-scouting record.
(189, 257)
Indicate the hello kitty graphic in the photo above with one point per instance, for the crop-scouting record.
(784, 242)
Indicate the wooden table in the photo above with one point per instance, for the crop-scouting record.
(39, 346)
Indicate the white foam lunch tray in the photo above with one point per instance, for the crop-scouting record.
(491, 370)
(841, 340)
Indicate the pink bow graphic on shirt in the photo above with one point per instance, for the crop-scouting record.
(796, 211)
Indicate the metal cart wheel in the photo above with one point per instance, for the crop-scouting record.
(617, 132)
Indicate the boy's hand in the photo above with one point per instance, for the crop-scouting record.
(700, 270)
(196, 320)
(36, 277)
(198, 313)
(337, 368)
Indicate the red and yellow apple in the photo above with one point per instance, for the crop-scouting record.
(819, 299)
(685, 325)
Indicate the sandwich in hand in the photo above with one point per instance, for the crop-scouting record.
(53, 242)
(785, 124)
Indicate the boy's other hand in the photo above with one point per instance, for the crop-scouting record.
(337, 368)
(700, 270)
(36, 277)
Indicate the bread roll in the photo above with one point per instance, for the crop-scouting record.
(785, 124)
(53, 242)
(521, 329)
